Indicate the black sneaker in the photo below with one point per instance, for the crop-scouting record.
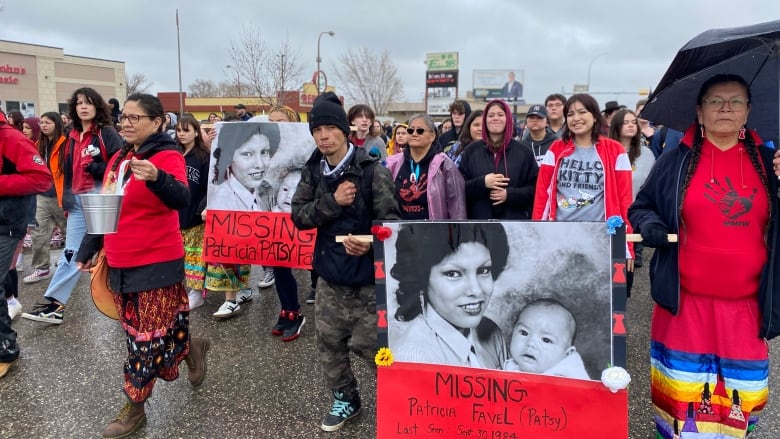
(312, 297)
(49, 312)
(293, 329)
(281, 324)
(341, 411)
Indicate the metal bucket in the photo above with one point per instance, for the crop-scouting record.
(102, 210)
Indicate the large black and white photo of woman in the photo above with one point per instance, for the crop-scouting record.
(527, 297)
(251, 160)
(446, 280)
(241, 158)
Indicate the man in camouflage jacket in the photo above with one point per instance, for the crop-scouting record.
(341, 192)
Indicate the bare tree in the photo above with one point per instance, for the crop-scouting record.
(138, 83)
(369, 78)
(262, 73)
(284, 70)
(248, 56)
(203, 88)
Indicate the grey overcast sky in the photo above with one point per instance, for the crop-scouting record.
(554, 43)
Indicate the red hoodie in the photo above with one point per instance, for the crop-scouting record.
(724, 218)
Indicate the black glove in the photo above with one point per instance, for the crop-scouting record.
(654, 235)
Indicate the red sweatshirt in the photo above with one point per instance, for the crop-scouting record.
(724, 218)
(148, 231)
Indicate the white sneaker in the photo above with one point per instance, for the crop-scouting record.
(196, 299)
(37, 275)
(14, 307)
(227, 310)
(268, 278)
(244, 297)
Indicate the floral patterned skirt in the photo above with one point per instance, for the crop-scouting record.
(157, 326)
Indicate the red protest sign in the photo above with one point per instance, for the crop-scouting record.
(428, 400)
(258, 238)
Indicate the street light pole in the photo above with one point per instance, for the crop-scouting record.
(590, 66)
(319, 59)
(238, 79)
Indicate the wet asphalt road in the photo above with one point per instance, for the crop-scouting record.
(67, 382)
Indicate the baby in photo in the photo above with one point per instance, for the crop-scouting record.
(286, 191)
(543, 341)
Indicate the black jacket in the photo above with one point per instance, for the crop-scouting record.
(197, 178)
(313, 206)
(658, 202)
(518, 164)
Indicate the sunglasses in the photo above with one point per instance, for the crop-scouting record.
(419, 131)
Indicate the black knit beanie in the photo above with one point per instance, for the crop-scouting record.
(327, 110)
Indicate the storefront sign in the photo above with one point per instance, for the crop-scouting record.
(13, 70)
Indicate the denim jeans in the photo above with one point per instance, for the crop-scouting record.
(67, 275)
(286, 288)
(9, 350)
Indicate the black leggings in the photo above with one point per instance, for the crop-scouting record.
(11, 284)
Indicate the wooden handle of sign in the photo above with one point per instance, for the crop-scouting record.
(636, 237)
(362, 238)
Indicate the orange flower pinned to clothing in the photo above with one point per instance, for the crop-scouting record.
(384, 357)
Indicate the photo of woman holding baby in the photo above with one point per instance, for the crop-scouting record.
(445, 285)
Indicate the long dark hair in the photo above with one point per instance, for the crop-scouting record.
(698, 138)
(154, 109)
(199, 149)
(465, 132)
(592, 106)
(421, 246)
(635, 144)
(102, 113)
(46, 143)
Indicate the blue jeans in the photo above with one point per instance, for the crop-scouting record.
(9, 350)
(67, 275)
(286, 288)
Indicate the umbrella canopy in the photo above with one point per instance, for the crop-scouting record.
(749, 51)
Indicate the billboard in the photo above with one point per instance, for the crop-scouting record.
(441, 61)
(493, 84)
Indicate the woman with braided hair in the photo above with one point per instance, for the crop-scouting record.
(716, 302)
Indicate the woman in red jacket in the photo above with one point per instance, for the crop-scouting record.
(146, 260)
(584, 176)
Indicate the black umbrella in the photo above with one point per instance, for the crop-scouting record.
(749, 51)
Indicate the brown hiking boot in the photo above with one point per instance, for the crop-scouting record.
(127, 422)
(196, 360)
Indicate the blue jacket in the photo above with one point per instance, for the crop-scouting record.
(659, 202)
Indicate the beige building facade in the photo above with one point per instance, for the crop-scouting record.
(36, 79)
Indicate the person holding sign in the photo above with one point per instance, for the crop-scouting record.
(716, 304)
(291, 320)
(342, 191)
(145, 259)
(444, 289)
(428, 185)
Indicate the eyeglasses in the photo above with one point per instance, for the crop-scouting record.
(736, 104)
(554, 105)
(132, 118)
(419, 131)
